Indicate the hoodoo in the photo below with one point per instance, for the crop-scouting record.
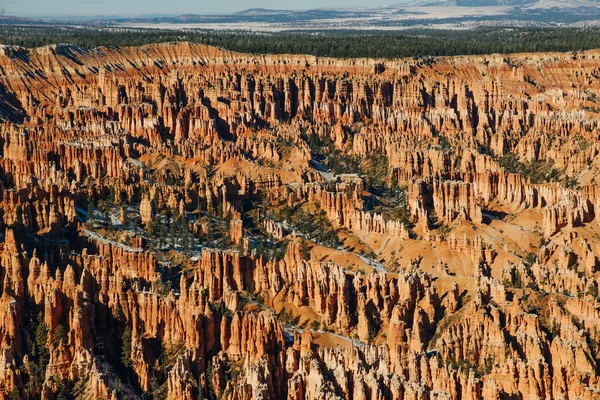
(185, 222)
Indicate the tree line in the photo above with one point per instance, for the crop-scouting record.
(408, 43)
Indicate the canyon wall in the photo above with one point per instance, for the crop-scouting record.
(184, 222)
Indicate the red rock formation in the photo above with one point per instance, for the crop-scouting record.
(300, 227)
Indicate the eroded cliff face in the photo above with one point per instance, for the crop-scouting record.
(184, 222)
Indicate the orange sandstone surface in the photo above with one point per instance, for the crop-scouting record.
(184, 222)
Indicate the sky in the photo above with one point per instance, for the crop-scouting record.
(36, 8)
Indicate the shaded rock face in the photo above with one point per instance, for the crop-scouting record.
(183, 222)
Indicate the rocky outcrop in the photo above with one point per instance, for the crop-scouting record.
(298, 227)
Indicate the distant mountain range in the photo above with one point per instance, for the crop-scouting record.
(496, 3)
(478, 3)
(11, 20)
(448, 14)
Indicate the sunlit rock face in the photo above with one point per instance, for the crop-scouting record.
(184, 222)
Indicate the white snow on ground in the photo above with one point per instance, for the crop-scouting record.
(367, 260)
(375, 264)
(114, 220)
(99, 238)
(405, 13)
(290, 334)
(321, 169)
(137, 163)
(328, 176)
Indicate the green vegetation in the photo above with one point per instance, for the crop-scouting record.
(40, 353)
(478, 369)
(375, 171)
(33, 374)
(170, 231)
(287, 317)
(315, 325)
(386, 198)
(539, 171)
(60, 334)
(516, 282)
(325, 153)
(408, 43)
(90, 211)
(592, 290)
(250, 298)
(304, 249)
(126, 348)
(314, 226)
(393, 205)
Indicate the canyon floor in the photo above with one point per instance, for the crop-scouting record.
(184, 222)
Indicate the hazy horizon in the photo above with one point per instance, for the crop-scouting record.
(128, 8)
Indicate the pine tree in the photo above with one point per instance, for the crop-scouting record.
(90, 211)
(126, 348)
(40, 351)
(15, 395)
(60, 333)
(209, 229)
(187, 241)
(112, 195)
(172, 235)
(304, 249)
(41, 338)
